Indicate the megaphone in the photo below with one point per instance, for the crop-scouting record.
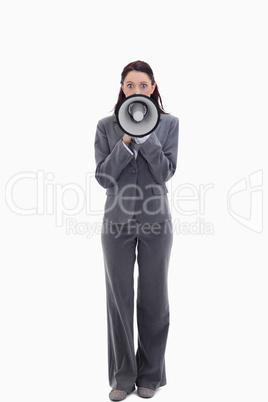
(138, 115)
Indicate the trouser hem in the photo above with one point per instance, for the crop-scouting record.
(128, 390)
(144, 385)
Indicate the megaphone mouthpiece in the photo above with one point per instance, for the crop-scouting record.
(138, 116)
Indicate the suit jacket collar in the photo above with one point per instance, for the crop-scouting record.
(119, 134)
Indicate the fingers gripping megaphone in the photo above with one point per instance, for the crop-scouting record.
(138, 115)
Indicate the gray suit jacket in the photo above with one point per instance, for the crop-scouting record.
(136, 187)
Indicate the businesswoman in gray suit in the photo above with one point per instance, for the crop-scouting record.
(136, 224)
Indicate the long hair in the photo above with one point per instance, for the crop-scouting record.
(145, 68)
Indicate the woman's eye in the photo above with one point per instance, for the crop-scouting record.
(130, 85)
(143, 85)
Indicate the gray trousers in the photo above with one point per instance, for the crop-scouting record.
(152, 242)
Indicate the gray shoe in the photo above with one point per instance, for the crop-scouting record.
(117, 395)
(146, 392)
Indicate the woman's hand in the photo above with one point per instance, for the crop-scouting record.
(126, 139)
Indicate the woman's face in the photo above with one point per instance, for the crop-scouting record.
(137, 81)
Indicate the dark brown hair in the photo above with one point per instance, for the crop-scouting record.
(145, 68)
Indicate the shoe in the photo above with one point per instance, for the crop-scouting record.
(117, 395)
(146, 392)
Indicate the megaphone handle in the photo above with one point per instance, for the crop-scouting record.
(126, 139)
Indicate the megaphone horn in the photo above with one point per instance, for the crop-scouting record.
(138, 115)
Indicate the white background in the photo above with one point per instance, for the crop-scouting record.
(60, 71)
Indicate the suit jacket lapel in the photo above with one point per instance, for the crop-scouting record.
(119, 135)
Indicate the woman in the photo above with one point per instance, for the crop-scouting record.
(136, 220)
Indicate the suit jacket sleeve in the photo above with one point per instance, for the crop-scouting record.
(110, 163)
(162, 159)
